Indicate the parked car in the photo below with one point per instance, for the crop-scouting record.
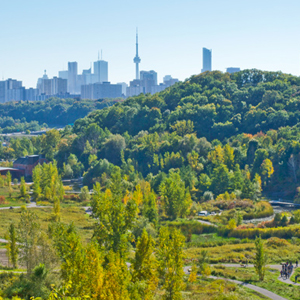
(203, 213)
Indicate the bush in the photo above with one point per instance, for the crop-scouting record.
(266, 233)
(2, 200)
(71, 197)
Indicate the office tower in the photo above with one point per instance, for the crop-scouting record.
(136, 59)
(124, 86)
(72, 77)
(2, 91)
(100, 71)
(206, 60)
(101, 90)
(59, 86)
(169, 80)
(16, 94)
(233, 70)
(63, 74)
(11, 89)
(135, 88)
(149, 75)
(31, 94)
(44, 85)
(148, 80)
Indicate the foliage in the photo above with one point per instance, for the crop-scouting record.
(260, 259)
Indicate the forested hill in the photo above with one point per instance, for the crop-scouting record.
(220, 106)
(54, 111)
(216, 128)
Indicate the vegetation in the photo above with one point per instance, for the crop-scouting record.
(217, 142)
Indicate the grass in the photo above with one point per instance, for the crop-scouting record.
(270, 282)
(235, 253)
(206, 289)
(297, 272)
(77, 215)
(14, 200)
(208, 238)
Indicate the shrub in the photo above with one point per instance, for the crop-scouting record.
(2, 200)
(266, 233)
(192, 227)
(275, 242)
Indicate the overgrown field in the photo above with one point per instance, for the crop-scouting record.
(82, 221)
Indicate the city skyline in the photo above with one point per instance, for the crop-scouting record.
(239, 34)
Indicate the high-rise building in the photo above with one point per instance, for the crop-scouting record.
(63, 74)
(206, 60)
(72, 77)
(233, 70)
(137, 59)
(11, 89)
(59, 86)
(100, 71)
(101, 90)
(31, 94)
(169, 80)
(124, 86)
(148, 80)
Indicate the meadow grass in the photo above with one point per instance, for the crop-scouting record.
(82, 221)
(207, 288)
(236, 253)
(270, 282)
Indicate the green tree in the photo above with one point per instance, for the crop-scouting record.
(260, 259)
(36, 177)
(84, 194)
(8, 183)
(176, 198)
(144, 266)
(28, 234)
(116, 218)
(266, 169)
(23, 191)
(203, 261)
(12, 247)
(228, 156)
(170, 262)
(220, 179)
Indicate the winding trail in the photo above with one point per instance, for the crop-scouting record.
(254, 288)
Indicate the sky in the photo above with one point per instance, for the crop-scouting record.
(45, 35)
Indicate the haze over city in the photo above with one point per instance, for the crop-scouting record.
(46, 35)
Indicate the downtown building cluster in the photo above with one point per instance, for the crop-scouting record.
(87, 85)
(93, 85)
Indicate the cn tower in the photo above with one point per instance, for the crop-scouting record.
(136, 59)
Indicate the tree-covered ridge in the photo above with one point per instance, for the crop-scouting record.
(53, 111)
(250, 117)
(220, 105)
(235, 134)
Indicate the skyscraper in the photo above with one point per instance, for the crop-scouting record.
(136, 59)
(72, 76)
(206, 60)
(100, 71)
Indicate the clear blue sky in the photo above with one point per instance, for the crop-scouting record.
(38, 35)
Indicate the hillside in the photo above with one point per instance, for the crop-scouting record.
(252, 115)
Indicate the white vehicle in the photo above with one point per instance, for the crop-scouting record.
(203, 213)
